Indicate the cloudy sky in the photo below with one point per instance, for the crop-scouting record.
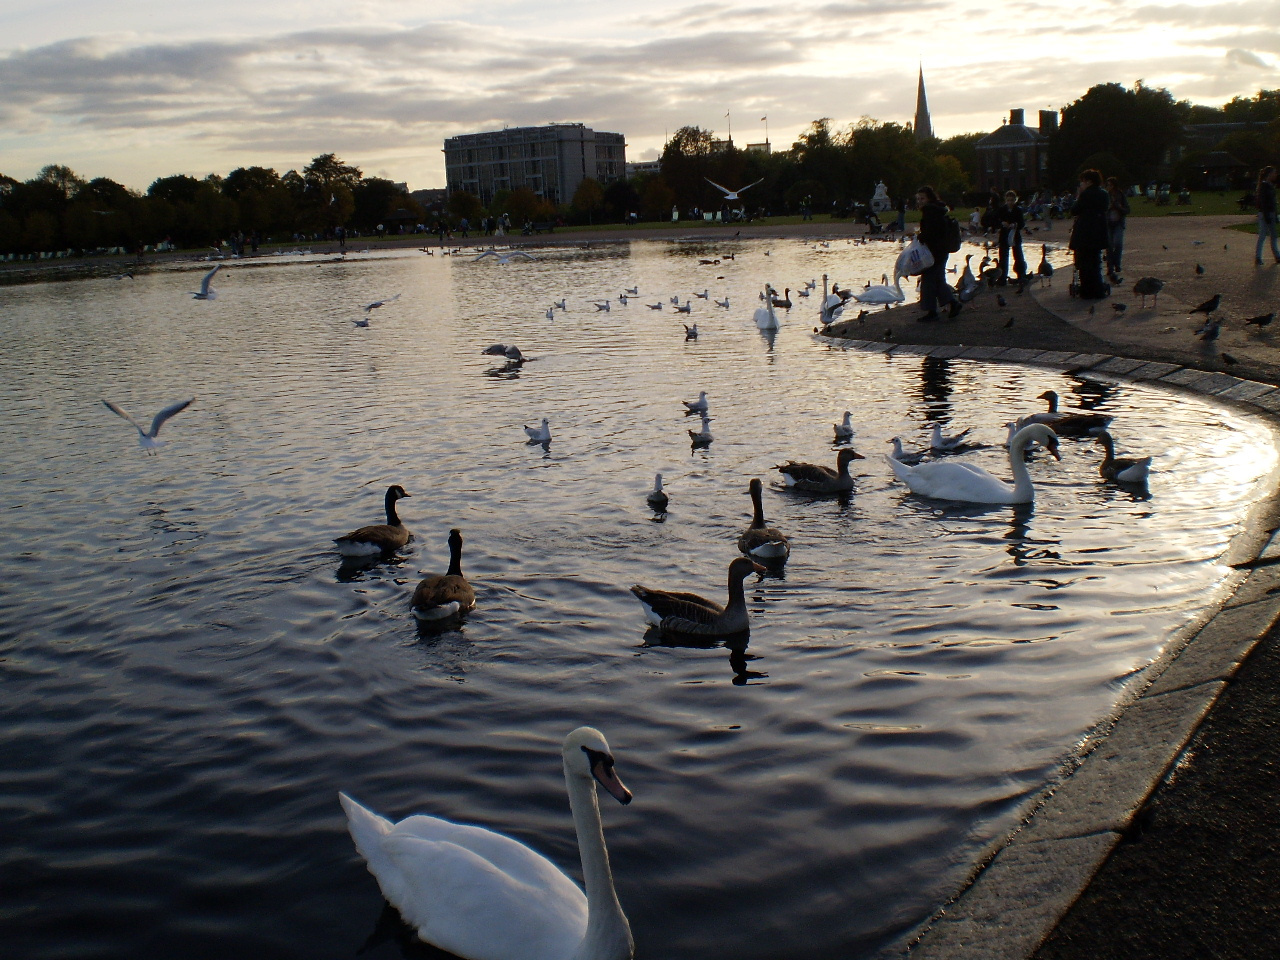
(141, 90)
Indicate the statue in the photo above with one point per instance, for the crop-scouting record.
(880, 201)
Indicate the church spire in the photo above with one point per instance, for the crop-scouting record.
(923, 128)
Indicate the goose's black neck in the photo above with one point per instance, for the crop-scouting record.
(393, 518)
(455, 554)
(757, 521)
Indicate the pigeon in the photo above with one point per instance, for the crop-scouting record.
(1209, 305)
(1262, 320)
(1009, 324)
(1209, 332)
(1119, 308)
(1149, 287)
(1001, 301)
(1199, 270)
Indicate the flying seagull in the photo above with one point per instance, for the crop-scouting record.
(380, 303)
(147, 438)
(731, 194)
(206, 292)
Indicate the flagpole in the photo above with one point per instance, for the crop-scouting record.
(766, 132)
(726, 116)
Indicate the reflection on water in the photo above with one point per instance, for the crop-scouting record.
(191, 674)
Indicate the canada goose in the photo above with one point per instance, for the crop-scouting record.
(444, 597)
(690, 614)
(816, 478)
(760, 540)
(1122, 469)
(1045, 268)
(478, 893)
(657, 496)
(965, 483)
(783, 301)
(1065, 423)
(378, 538)
(149, 439)
(844, 429)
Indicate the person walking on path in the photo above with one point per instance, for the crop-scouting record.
(1116, 214)
(934, 289)
(1012, 221)
(1266, 199)
(1089, 235)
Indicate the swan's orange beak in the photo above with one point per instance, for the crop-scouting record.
(602, 770)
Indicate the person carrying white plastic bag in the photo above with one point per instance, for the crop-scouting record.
(914, 259)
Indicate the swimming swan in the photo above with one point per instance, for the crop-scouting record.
(965, 483)
(484, 896)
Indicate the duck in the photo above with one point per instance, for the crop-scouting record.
(902, 456)
(1064, 423)
(445, 596)
(702, 436)
(657, 496)
(783, 301)
(379, 538)
(689, 614)
(1121, 469)
(697, 406)
(480, 894)
(1045, 268)
(965, 483)
(149, 439)
(844, 429)
(539, 434)
(940, 444)
(816, 478)
(759, 540)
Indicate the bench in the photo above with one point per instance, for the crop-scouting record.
(547, 226)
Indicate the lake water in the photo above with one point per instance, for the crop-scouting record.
(190, 677)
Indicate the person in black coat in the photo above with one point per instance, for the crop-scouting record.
(1266, 200)
(1011, 221)
(1089, 235)
(934, 289)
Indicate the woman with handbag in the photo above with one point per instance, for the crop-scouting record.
(934, 289)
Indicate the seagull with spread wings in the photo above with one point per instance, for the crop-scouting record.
(732, 194)
(147, 439)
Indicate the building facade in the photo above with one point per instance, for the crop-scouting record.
(551, 161)
(1016, 157)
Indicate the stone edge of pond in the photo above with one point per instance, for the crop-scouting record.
(1024, 883)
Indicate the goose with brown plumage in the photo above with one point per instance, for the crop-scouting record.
(379, 538)
(443, 597)
(761, 540)
(1064, 422)
(687, 614)
(1121, 469)
(816, 478)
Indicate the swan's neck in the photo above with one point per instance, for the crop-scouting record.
(608, 934)
(1022, 485)
(393, 518)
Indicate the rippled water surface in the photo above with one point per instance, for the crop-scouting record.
(190, 677)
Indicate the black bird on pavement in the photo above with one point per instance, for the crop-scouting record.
(1149, 287)
(1119, 308)
(1199, 270)
(1263, 320)
(1001, 300)
(1209, 305)
(1009, 324)
(1229, 360)
(1209, 332)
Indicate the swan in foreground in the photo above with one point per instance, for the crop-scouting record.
(697, 406)
(1123, 469)
(882, 293)
(447, 596)
(908, 458)
(765, 317)
(149, 439)
(1065, 423)
(819, 479)
(206, 292)
(761, 540)
(378, 538)
(481, 895)
(688, 614)
(657, 496)
(540, 434)
(965, 483)
(844, 429)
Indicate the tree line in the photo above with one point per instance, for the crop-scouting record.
(1135, 134)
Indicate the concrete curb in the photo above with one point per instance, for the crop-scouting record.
(1026, 882)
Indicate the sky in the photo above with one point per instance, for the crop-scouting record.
(136, 91)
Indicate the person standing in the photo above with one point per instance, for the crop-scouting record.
(1266, 200)
(1117, 212)
(934, 289)
(1089, 235)
(1011, 221)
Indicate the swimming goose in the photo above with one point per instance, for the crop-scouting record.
(844, 429)
(697, 406)
(940, 444)
(657, 496)
(760, 540)
(149, 439)
(689, 614)
(540, 434)
(903, 457)
(703, 436)
(444, 597)
(965, 483)
(817, 478)
(1065, 423)
(783, 301)
(379, 538)
(480, 894)
(1122, 469)
(206, 292)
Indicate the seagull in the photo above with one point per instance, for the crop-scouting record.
(690, 333)
(654, 306)
(361, 321)
(940, 444)
(206, 292)
(504, 258)
(147, 439)
(632, 291)
(510, 351)
(704, 295)
(380, 303)
(603, 305)
(722, 303)
(551, 313)
(687, 308)
(702, 437)
(540, 434)
(560, 305)
(1199, 270)
(697, 406)
(732, 194)
(1209, 305)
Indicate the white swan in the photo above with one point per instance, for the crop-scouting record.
(766, 319)
(148, 440)
(484, 896)
(206, 292)
(540, 434)
(965, 483)
(882, 293)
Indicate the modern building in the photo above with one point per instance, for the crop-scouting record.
(1016, 157)
(642, 168)
(923, 126)
(551, 161)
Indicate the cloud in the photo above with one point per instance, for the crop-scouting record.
(1243, 58)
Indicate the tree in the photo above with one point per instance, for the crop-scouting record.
(588, 199)
(620, 199)
(62, 178)
(241, 180)
(176, 189)
(1262, 107)
(1138, 126)
(656, 199)
(685, 165)
(463, 204)
(376, 198)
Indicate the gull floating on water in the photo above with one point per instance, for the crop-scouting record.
(206, 292)
(541, 434)
(147, 439)
(697, 406)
